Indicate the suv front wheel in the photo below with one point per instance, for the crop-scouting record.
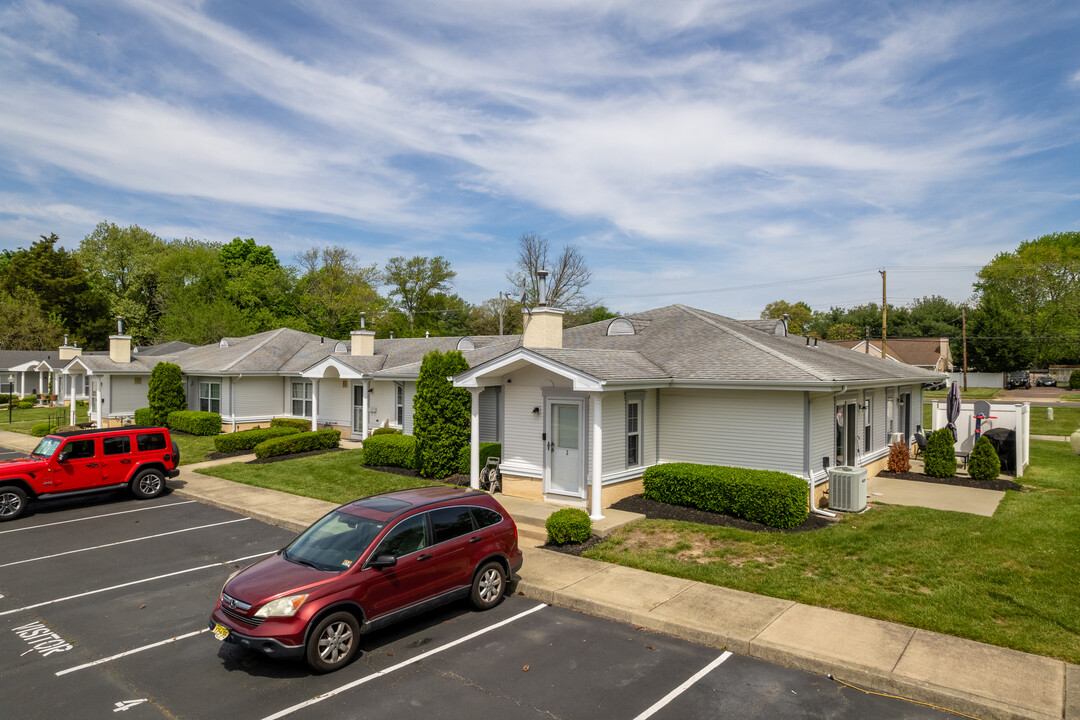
(148, 484)
(12, 502)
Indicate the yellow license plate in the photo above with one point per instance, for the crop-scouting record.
(220, 631)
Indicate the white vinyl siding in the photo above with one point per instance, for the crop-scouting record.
(523, 448)
(127, 394)
(381, 404)
(257, 397)
(822, 429)
(740, 428)
(489, 414)
(335, 401)
(410, 395)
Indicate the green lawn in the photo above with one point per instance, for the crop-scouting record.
(1066, 420)
(973, 393)
(193, 448)
(23, 420)
(1071, 396)
(1008, 580)
(337, 477)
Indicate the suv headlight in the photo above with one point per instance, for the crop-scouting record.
(282, 607)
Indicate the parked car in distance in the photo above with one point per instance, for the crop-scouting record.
(365, 565)
(1018, 379)
(1046, 381)
(89, 461)
(936, 385)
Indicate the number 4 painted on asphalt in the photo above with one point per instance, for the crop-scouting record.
(126, 705)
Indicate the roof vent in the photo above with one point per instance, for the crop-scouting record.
(341, 347)
(620, 326)
(465, 344)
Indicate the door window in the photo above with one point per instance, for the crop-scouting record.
(408, 536)
(567, 426)
(119, 445)
(79, 449)
(449, 523)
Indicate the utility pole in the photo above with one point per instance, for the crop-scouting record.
(963, 326)
(500, 313)
(884, 316)
(866, 342)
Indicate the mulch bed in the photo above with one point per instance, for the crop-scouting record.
(958, 480)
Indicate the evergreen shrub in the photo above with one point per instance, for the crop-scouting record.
(165, 392)
(899, 457)
(24, 405)
(195, 422)
(299, 423)
(939, 460)
(390, 451)
(1074, 380)
(768, 497)
(569, 525)
(42, 429)
(143, 416)
(487, 449)
(984, 464)
(248, 439)
(441, 414)
(298, 443)
(385, 431)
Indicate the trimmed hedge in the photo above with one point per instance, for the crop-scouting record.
(569, 525)
(25, 405)
(299, 423)
(42, 429)
(390, 451)
(984, 463)
(144, 416)
(939, 459)
(195, 422)
(248, 439)
(772, 498)
(1074, 380)
(385, 431)
(298, 443)
(487, 449)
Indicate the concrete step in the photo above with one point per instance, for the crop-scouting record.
(530, 535)
(535, 513)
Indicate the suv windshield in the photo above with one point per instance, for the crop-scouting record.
(333, 543)
(46, 447)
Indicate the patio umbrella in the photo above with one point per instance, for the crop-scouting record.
(952, 409)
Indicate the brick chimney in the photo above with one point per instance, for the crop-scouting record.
(542, 325)
(362, 342)
(120, 344)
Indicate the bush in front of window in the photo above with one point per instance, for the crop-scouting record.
(298, 443)
(390, 451)
(165, 392)
(768, 497)
(42, 429)
(195, 422)
(385, 431)
(487, 449)
(939, 460)
(299, 423)
(569, 525)
(24, 405)
(984, 463)
(248, 439)
(441, 414)
(143, 416)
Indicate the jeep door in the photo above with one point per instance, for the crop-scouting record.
(116, 459)
(77, 465)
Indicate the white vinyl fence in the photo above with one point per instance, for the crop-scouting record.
(977, 379)
(1012, 416)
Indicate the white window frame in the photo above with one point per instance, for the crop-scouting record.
(399, 404)
(868, 423)
(635, 434)
(304, 398)
(207, 401)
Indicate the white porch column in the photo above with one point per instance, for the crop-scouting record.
(474, 439)
(72, 409)
(364, 412)
(596, 455)
(100, 409)
(314, 404)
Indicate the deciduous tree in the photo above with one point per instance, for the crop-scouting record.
(416, 281)
(568, 273)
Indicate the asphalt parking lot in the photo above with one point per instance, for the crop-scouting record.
(104, 606)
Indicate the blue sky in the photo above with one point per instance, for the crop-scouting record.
(718, 154)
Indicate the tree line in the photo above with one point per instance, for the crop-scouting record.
(198, 291)
(1024, 312)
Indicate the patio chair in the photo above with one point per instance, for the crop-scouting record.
(920, 444)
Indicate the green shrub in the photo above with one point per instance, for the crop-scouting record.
(31, 398)
(298, 442)
(5, 399)
(143, 416)
(385, 431)
(195, 422)
(441, 414)
(487, 449)
(390, 451)
(42, 429)
(939, 459)
(165, 393)
(772, 498)
(984, 464)
(1074, 380)
(569, 525)
(248, 439)
(24, 405)
(299, 423)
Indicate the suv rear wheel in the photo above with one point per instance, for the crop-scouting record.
(12, 502)
(148, 484)
(488, 586)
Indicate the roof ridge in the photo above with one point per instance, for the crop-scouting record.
(760, 346)
(257, 346)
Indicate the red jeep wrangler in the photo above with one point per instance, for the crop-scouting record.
(87, 461)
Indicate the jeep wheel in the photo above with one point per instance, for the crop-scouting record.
(12, 503)
(148, 484)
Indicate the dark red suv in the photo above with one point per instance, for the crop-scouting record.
(88, 461)
(365, 565)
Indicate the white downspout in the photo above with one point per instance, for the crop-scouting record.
(474, 439)
(596, 453)
(364, 411)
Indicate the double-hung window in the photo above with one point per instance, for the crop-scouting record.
(301, 399)
(210, 396)
(399, 404)
(634, 403)
(868, 415)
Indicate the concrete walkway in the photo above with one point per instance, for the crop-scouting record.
(936, 496)
(980, 680)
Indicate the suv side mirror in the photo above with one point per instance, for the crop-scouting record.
(383, 561)
(63, 457)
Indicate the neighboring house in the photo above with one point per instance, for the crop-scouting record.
(19, 372)
(589, 409)
(927, 353)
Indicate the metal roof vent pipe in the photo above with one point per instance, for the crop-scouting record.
(541, 277)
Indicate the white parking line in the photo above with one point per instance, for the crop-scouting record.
(395, 668)
(132, 652)
(134, 582)
(95, 517)
(122, 542)
(682, 688)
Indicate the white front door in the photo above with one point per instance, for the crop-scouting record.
(566, 470)
(358, 410)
